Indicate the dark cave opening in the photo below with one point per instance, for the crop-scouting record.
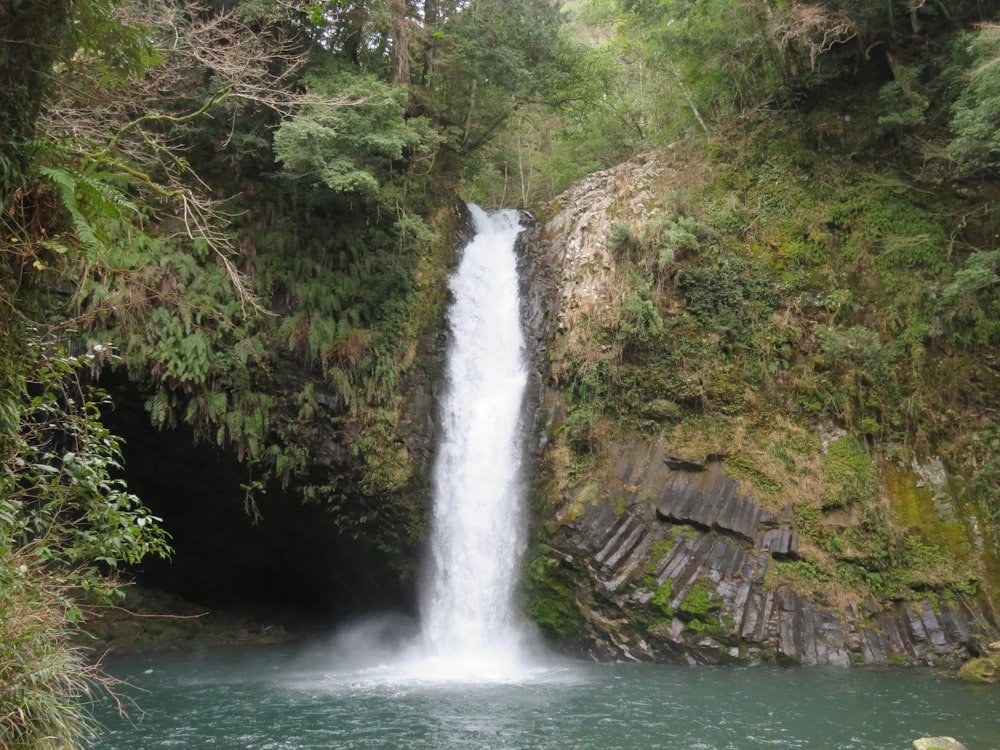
(291, 566)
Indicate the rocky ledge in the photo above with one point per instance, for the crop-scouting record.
(667, 561)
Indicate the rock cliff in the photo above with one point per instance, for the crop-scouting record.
(670, 561)
(652, 553)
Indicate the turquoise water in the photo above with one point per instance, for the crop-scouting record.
(278, 698)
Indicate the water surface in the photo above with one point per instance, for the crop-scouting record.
(277, 698)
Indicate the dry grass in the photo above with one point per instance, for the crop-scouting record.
(45, 682)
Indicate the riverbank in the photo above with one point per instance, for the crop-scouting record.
(152, 621)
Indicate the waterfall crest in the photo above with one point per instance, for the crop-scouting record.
(477, 539)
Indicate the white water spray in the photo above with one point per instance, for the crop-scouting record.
(477, 539)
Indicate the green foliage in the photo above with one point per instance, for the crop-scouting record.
(550, 601)
(700, 602)
(623, 243)
(984, 484)
(671, 240)
(66, 520)
(905, 105)
(838, 181)
(728, 298)
(970, 304)
(37, 37)
(976, 144)
(492, 57)
(93, 204)
(850, 476)
(355, 147)
(44, 683)
(659, 550)
(66, 524)
(639, 322)
(60, 496)
(800, 574)
(662, 598)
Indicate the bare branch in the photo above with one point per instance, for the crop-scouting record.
(209, 65)
(810, 26)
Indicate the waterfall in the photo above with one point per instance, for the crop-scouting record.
(477, 538)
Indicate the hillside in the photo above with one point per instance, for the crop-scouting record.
(798, 307)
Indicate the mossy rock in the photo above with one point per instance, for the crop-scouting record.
(550, 602)
(700, 602)
(663, 410)
(984, 669)
(937, 743)
(662, 597)
(555, 613)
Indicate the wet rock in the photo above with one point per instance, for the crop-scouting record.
(983, 669)
(938, 743)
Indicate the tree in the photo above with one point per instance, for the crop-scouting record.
(976, 112)
(90, 173)
(492, 57)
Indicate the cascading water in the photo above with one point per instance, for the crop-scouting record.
(468, 613)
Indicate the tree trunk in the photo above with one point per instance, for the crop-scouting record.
(467, 128)
(401, 43)
(687, 95)
(32, 36)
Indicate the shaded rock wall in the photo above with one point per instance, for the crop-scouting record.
(670, 562)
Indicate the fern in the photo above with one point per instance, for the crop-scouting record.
(91, 203)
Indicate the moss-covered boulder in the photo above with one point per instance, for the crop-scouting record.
(937, 743)
(984, 669)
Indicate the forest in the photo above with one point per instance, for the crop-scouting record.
(199, 198)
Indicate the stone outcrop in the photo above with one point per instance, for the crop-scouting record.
(665, 559)
(984, 668)
(670, 563)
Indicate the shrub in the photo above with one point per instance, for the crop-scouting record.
(66, 523)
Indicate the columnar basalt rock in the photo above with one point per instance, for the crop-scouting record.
(676, 572)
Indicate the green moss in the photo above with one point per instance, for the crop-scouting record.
(706, 628)
(729, 621)
(663, 597)
(849, 473)
(660, 550)
(555, 612)
(985, 669)
(550, 603)
(700, 601)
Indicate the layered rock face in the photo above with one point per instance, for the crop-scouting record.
(658, 558)
(669, 563)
